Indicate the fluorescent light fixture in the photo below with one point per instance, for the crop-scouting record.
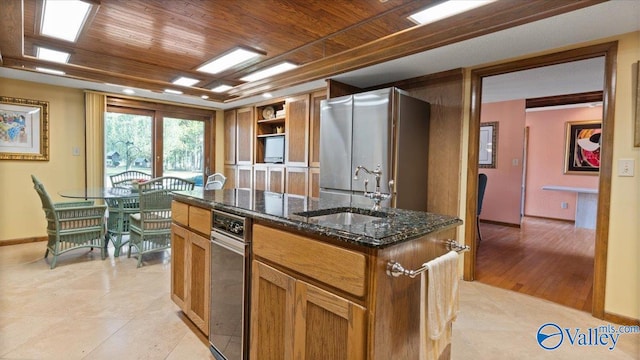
(267, 95)
(128, 91)
(270, 71)
(205, 97)
(185, 81)
(50, 71)
(171, 91)
(227, 61)
(222, 88)
(445, 10)
(52, 55)
(63, 19)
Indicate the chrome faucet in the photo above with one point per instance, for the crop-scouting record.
(377, 196)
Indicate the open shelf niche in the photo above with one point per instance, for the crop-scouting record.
(270, 122)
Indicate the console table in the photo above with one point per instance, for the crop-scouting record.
(586, 204)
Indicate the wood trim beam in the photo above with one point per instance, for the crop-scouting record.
(490, 18)
(93, 75)
(581, 98)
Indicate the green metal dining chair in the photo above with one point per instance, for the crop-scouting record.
(120, 208)
(167, 183)
(71, 225)
(125, 178)
(150, 228)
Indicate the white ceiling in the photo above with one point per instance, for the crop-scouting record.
(595, 22)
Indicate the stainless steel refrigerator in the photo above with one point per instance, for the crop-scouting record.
(383, 127)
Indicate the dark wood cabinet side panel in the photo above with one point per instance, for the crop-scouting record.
(314, 128)
(445, 94)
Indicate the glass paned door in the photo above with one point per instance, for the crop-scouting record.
(183, 150)
(128, 143)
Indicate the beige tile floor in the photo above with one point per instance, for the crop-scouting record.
(91, 309)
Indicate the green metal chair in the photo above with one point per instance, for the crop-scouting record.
(125, 178)
(150, 229)
(118, 221)
(121, 208)
(71, 225)
(167, 183)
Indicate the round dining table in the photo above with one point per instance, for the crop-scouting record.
(98, 193)
(121, 203)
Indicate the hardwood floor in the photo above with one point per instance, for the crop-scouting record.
(547, 259)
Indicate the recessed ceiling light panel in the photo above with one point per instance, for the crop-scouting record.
(231, 59)
(63, 19)
(185, 81)
(222, 88)
(50, 71)
(270, 71)
(445, 10)
(52, 55)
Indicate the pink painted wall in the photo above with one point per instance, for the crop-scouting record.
(502, 197)
(546, 162)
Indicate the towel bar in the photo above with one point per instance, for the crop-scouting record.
(395, 269)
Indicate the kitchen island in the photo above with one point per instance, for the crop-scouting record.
(318, 284)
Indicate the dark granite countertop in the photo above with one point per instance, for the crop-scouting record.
(391, 226)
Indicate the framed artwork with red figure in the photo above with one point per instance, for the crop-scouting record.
(582, 154)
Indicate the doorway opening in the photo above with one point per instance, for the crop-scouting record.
(607, 52)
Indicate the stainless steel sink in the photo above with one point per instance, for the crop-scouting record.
(341, 217)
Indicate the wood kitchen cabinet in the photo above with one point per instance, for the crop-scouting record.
(230, 127)
(297, 181)
(244, 136)
(268, 178)
(322, 324)
(315, 298)
(244, 177)
(297, 129)
(314, 182)
(190, 262)
(230, 172)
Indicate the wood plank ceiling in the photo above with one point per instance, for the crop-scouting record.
(149, 43)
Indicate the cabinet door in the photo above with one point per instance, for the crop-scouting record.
(297, 131)
(199, 281)
(275, 180)
(297, 181)
(244, 136)
(272, 313)
(327, 326)
(314, 128)
(179, 239)
(230, 173)
(260, 178)
(230, 137)
(314, 182)
(244, 177)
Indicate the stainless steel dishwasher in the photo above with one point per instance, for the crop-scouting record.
(228, 323)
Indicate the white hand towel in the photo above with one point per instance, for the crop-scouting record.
(439, 304)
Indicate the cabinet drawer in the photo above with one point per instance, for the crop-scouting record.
(200, 219)
(341, 268)
(180, 212)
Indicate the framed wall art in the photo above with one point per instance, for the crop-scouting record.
(582, 152)
(488, 145)
(24, 129)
